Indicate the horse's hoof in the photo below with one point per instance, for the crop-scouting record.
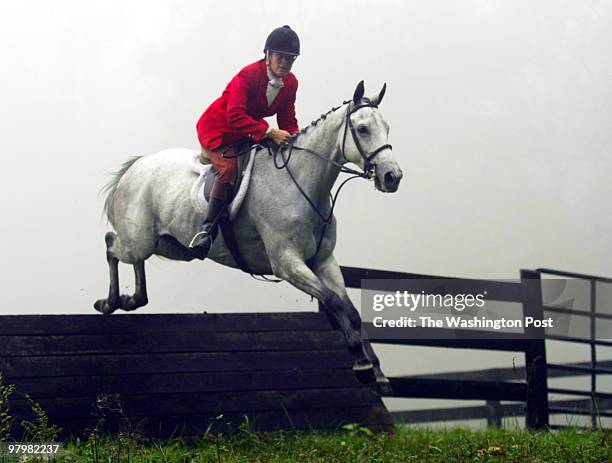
(384, 387)
(129, 303)
(364, 373)
(102, 306)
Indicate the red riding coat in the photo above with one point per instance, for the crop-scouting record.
(239, 111)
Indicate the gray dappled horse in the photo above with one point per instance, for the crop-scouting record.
(278, 227)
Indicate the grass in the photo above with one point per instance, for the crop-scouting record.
(353, 445)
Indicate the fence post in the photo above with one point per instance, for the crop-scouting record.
(494, 413)
(536, 414)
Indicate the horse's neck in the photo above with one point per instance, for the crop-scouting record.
(315, 175)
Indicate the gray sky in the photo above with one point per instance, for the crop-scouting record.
(500, 116)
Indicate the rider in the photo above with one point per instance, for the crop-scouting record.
(259, 90)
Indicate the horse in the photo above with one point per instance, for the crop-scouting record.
(285, 225)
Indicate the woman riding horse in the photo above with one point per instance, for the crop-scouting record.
(259, 90)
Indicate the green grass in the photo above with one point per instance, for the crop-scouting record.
(355, 445)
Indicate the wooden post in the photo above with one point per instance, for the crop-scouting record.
(494, 414)
(536, 414)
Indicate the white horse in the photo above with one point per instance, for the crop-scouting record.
(278, 227)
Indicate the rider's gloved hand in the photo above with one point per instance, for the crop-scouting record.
(279, 136)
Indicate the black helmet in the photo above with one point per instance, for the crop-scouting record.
(283, 40)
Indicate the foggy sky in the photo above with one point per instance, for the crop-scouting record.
(499, 114)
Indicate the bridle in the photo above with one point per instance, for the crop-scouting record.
(369, 168)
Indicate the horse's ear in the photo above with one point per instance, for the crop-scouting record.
(376, 100)
(358, 95)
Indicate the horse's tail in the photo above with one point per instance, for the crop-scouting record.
(110, 188)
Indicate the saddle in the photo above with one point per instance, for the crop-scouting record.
(241, 150)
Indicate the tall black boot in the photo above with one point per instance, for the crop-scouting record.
(202, 241)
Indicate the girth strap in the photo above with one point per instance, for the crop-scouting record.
(232, 244)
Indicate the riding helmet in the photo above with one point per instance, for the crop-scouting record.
(283, 40)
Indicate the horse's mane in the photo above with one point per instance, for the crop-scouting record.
(321, 118)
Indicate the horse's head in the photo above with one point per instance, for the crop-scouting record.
(364, 140)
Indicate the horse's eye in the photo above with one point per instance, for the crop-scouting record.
(362, 129)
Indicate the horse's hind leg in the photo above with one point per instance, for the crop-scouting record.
(139, 298)
(167, 246)
(113, 302)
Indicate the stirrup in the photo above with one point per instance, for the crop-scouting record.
(204, 232)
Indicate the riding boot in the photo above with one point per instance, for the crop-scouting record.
(203, 240)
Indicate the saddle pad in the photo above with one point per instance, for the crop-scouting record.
(197, 190)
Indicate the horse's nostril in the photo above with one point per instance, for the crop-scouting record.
(390, 179)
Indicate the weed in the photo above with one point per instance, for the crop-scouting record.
(39, 430)
(6, 420)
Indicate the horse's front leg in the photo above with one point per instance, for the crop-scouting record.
(289, 266)
(328, 271)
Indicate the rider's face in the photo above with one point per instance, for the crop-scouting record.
(280, 64)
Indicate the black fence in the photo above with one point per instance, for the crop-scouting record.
(598, 404)
(177, 374)
(528, 386)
